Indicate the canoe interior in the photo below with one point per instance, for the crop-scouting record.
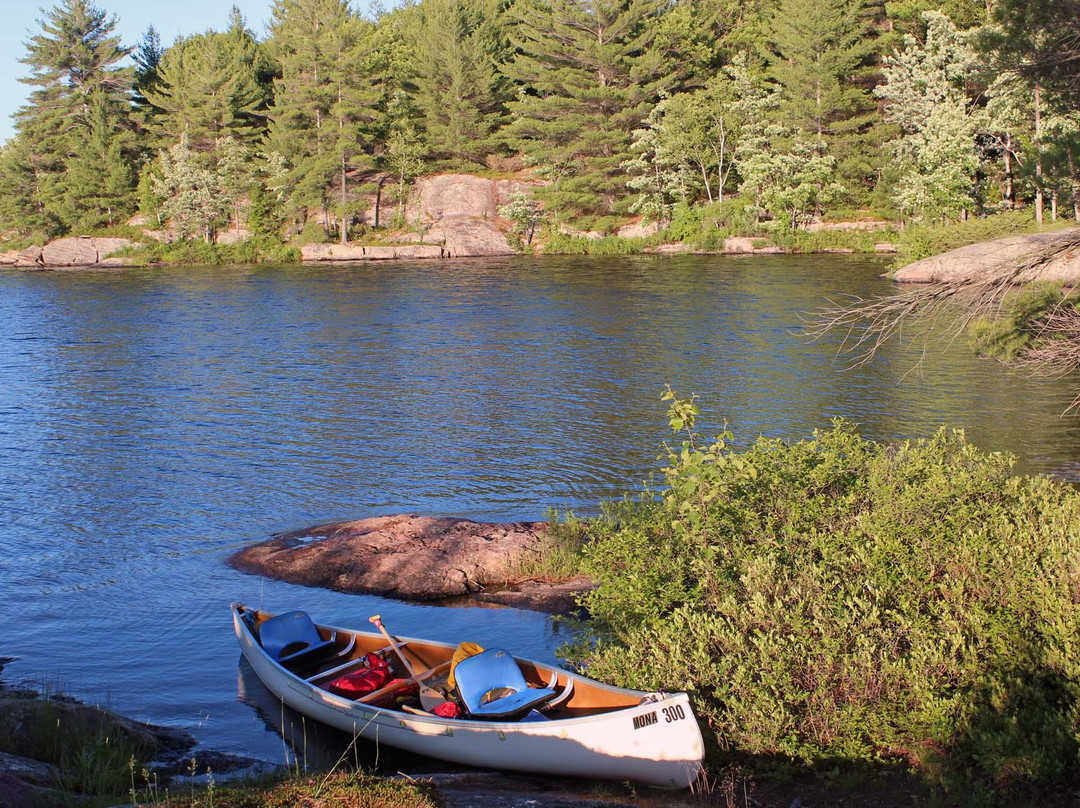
(431, 662)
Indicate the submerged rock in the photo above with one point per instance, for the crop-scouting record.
(405, 556)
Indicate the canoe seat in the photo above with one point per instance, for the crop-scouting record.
(491, 685)
(291, 637)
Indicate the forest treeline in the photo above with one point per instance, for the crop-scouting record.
(929, 110)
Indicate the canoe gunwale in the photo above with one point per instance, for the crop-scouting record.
(602, 736)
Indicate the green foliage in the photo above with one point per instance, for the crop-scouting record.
(524, 213)
(559, 556)
(824, 54)
(592, 73)
(71, 165)
(456, 51)
(327, 105)
(1005, 337)
(706, 226)
(209, 86)
(565, 244)
(839, 599)
(860, 241)
(921, 241)
(92, 750)
(925, 95)
(254, 250)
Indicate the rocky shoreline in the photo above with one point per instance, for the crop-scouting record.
(1028, 258)
(27, 716)
(418, 558)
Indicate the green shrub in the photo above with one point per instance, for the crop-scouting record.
(706, 226)
(837, 599)
(255, 250)
(616, 245)
(564, 244)
(1007, 336)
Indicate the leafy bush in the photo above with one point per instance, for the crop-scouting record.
(706, 226)
(257, 249)
(1007, 336)
(840, 599)
(860, 241)
(564, 244)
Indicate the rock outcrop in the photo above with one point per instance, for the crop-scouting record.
(76, 251)
(405, 556)
(1020, 259)
(460, 211)
(454, 216)
(356, 252)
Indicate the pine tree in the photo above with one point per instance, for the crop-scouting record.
(207, 88)
(822, 52)
(327, 103)
(1041, 40)
(76, 121)
(590, 74)
(457, 48)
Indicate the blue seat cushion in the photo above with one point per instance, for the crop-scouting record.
(290, 636)
(491, 685)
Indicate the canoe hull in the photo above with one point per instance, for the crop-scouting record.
(657, 742)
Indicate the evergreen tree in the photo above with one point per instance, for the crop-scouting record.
(590, 73)
(207, 87)
(906, 16)
(822, 52)
(327, 103)
(457, 49)
(99, 179)
(76, 121)
(147, 55)
(1040, 39)
(21, 209)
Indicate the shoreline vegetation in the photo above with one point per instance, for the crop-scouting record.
(886, 622)
(131, 247)
(846, 615)
(766, 122)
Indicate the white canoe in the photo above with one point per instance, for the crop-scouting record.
(589, 729)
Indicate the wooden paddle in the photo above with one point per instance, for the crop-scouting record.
(429, 696)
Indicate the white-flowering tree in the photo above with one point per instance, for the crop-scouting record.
(785, 173)
(925, 94)
(656, 171)
(192, 202)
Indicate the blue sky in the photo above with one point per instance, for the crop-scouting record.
(172, 19)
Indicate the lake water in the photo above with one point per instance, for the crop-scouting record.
(152, 422)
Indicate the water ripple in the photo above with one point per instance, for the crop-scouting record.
(153, 421)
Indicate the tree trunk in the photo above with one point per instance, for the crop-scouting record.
(1038, 156)
(1008, 169)
(344, 224)
(705, 177)
(1074, 187)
